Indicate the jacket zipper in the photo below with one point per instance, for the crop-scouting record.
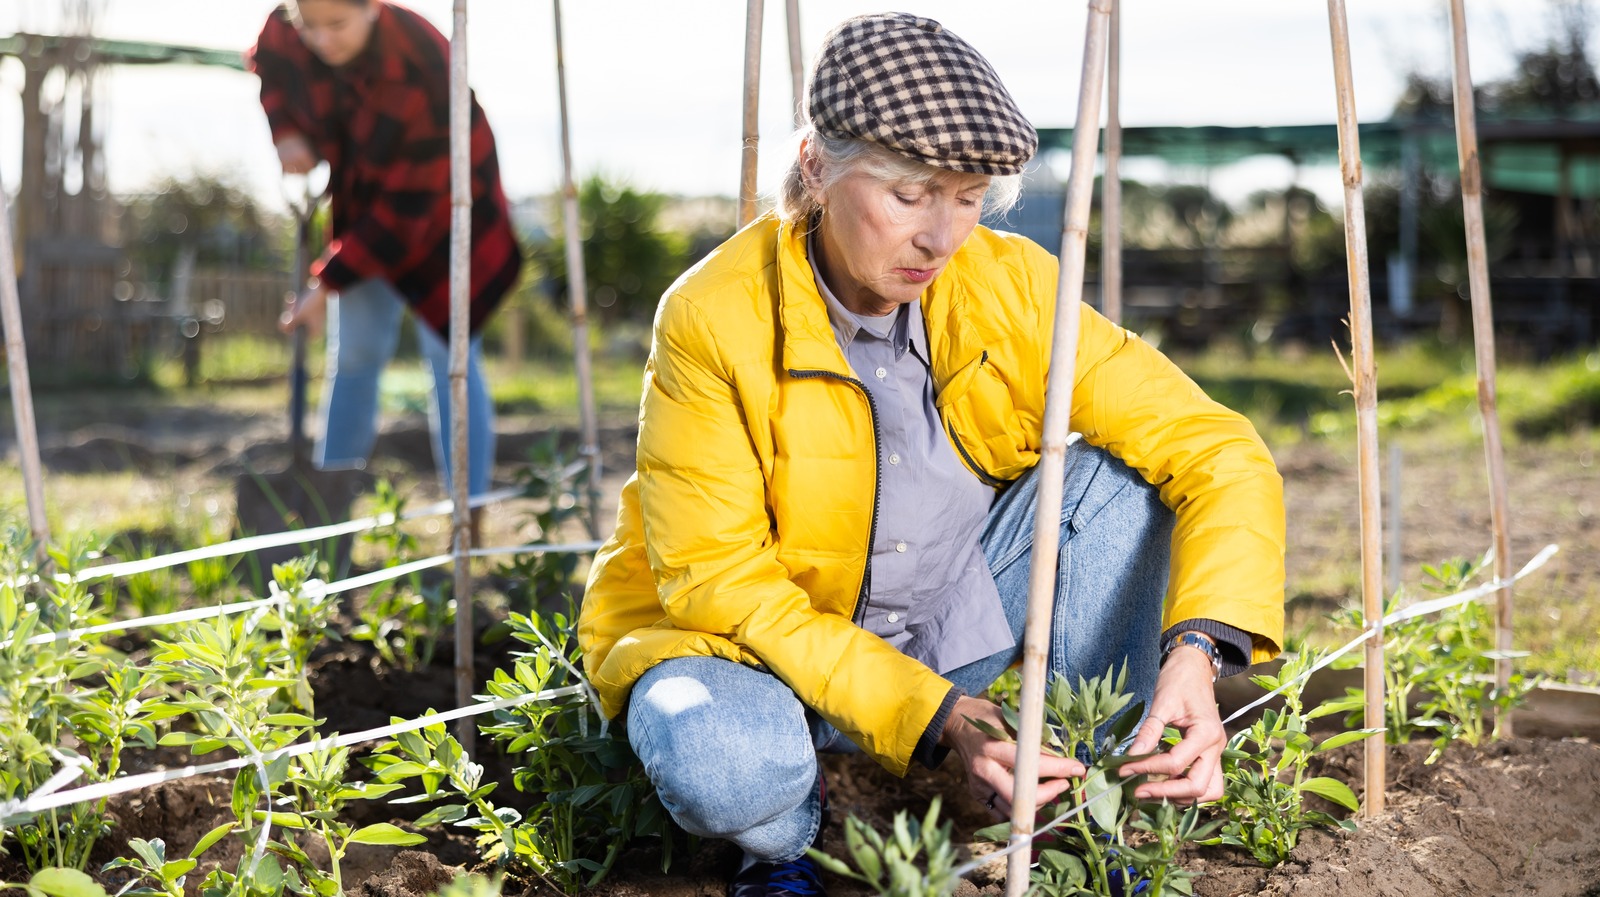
(983, 475)
(860, 611)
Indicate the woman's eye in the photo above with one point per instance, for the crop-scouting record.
(906, 199)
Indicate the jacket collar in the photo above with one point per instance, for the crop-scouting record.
(808, 340)
(809, 343)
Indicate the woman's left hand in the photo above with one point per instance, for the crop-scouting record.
(1186, 699)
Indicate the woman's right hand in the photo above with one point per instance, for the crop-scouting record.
(990, 762)
(295, 154)
(305, 310)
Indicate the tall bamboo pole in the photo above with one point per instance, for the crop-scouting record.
(1483, 341)
(21, 387)
(1111, 179)
(1053, 448)
(578, 294)
(752, 108)
(460, 322)
(797, 60)
(1366, 397)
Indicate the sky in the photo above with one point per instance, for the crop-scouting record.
(655, 85)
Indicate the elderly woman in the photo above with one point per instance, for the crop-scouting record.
(826, 544)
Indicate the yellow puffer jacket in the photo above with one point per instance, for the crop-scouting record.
(744, 533)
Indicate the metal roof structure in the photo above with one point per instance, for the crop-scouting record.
(1522, 154)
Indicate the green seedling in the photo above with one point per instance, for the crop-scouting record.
(434, 760)
(916, 860)
(1094, 850)
(301, 621)
(1439, 668)
(1266, 769)
(310, 799)
(57, 882)
(401, 619)
(558, 481)
(592, 798)
(152, 874)
(45, 706)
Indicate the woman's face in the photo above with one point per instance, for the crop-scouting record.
(882, 242)
(335, 30)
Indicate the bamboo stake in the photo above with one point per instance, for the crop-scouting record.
(578, 294)
(1053, 448)
(752, 108)
(1366, 400)
(460, 322)
(797, 61)
(1483, 342)
(21, 388)
(1111, 180)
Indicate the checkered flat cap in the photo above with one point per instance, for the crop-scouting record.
(908, 85)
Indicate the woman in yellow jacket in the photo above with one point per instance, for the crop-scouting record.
(826, 543)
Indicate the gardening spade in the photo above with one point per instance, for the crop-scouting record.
(300, 496)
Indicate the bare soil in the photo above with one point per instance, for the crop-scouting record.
(1510, 818)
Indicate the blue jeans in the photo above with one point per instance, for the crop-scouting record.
(363, 333)
(732, 751)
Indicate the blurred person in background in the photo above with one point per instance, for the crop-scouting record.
(363, 85)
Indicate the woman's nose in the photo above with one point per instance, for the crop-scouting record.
(937, 235)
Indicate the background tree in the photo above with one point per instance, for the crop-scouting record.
(629, 258)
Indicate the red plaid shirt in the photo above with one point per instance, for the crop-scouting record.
(382, 124)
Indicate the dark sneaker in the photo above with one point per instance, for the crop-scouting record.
(799, 878)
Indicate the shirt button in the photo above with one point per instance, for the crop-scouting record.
(882, 373)
(900, 547)
(894, 458)
(894, 618)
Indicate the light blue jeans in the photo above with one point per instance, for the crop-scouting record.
(732, 751)
(363, 333)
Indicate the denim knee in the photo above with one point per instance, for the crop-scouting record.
(725, 763)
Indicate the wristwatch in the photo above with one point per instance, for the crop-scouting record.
(1196, 640)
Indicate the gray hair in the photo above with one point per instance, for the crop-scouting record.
(839, 157)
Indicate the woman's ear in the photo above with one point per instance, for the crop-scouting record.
(810, 172)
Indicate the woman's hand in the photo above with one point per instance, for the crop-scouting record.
(307, 310)
(295, 154)
(1185, 698)
(990, 762)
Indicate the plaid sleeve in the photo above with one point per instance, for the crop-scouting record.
(280, 60)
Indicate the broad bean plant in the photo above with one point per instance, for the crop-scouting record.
(1439, 668)
(1095, 850)
(917, 859)
(1266, 767)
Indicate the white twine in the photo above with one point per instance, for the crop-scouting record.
(333, 588)
(39, 802)
(276, 540)
(1421, 608)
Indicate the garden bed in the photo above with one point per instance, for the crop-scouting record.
(1506, 818)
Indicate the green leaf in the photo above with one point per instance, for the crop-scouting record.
(289, 719)
(1104, 800)
(989, 730)
(57, 882)
(177, 868)
(282, 820)
(212, 837)
(385, 833)
(1000, 831)
(1331, 789)
(1344, 738)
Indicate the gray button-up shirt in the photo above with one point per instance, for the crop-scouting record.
(931, 594)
